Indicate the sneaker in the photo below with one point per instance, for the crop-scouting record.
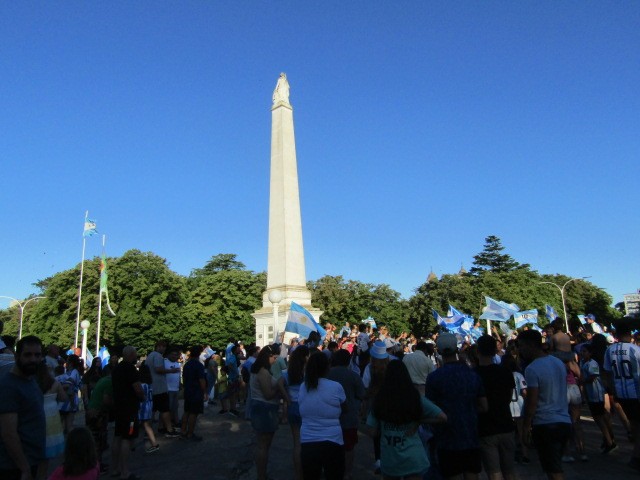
(568, 459)
(235, 413)
(584, 457)
(153, 448)
(610, 448)
(172, 434)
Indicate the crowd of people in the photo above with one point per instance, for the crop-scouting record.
(443, 406)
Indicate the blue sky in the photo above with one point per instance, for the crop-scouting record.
(421, 128)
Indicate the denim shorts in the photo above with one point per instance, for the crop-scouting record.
(264, 416)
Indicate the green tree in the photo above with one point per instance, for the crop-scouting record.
(221, 305)
(491, 259)
(218, 263)
(353, 301)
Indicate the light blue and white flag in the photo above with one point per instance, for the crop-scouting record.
(476, 333)
(551, 313)
(104, 356)
(536, 327)
(453, 311)
(583, 320)
(89, 360)
(90, 228)
(437, 316)
(497, 310)
(525, 317)
(300, 321)
(369, 320)
(504, 327)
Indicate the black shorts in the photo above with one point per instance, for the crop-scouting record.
(550, 440)
(161, 402)
(596, 408)
(195, 407)
(126, 426)
(457, 462)
(631, 407)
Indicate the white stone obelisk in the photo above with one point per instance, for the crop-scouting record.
(286, 279)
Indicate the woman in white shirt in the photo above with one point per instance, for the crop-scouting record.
(321, 402)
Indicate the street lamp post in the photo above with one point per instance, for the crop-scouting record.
(85, 326)
(564, 305)
(275, 297)
(22, 306)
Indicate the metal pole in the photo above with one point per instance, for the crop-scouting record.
(276, 307)
(22, 307)
(84, 244)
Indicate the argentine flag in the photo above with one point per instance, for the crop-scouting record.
(453, 311)
(300, 321)
(551, 313)
(369, 320)
(583, 321)
(528, 316)
(104, 356)
(497, 310)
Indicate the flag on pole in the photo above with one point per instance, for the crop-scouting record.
(437, 316)
(370, 321)
(104, 356)
(525, 317)
(551, 313)
(103, 281)
(300, 321)
(90, 228)
(89, 360)
(453, 311)
(497, 310)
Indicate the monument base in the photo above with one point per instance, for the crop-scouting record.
(267, 329)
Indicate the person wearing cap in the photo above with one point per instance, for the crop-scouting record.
(595, 326)
(372, 378)
(459, 392)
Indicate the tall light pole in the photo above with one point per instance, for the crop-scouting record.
(21, 305)
(84, 325)
(564, 305)
(275, 297)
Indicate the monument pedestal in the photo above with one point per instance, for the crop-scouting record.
(266, 326)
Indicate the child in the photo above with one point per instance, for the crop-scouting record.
(146, 407)
(595, 397)
(80, 461)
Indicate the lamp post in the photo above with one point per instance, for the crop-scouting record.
(275, 297)
(22, 306)
(85, 326)
(564, 305)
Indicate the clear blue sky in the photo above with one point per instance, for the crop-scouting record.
(421, 128)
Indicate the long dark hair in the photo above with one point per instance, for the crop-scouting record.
(79, 453)
(296, 365)
(397, 401)
(145, 374)
(317, 367)
(262, 360)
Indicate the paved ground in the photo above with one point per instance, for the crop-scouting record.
(227, 453)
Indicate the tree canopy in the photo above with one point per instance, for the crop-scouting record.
(216, 301)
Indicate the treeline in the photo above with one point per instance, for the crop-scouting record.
(216, 301)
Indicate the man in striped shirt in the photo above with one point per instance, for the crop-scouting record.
(622, 362)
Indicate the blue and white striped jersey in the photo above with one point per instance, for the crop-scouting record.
(623, 361)
(594, 390)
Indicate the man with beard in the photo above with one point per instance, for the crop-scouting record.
(22, 420)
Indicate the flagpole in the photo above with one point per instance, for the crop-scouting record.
(84, 244)
(100, 300)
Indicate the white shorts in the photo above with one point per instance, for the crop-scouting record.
(573, 394)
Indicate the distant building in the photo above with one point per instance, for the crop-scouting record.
(632, 304)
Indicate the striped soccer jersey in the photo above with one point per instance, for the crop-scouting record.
(623, 361)
(594, 390)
